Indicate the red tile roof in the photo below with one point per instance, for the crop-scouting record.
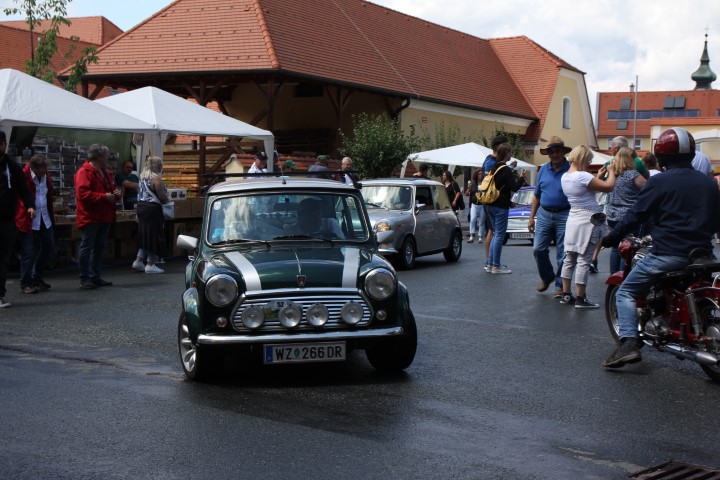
(16, 49)
(706, 101)
(95, 30)
(535, 70)
(351, 42)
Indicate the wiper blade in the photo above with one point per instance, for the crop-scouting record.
(376, 205)
(303, 237)
(235, 241)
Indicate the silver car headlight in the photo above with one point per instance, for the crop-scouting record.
(221, 290)
(380, 284)
(382, 226)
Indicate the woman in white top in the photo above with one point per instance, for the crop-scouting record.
(581, 236)
(152, 194)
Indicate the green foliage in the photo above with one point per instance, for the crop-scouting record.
(54, 12)
(514, 139)
(378, 145)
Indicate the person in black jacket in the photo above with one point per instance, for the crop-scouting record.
(12, 185)
(498, 211)
(684, 208)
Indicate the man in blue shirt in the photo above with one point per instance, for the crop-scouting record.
(683, 206)
(551, 207)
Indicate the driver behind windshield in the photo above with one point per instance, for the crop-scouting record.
(312, 222)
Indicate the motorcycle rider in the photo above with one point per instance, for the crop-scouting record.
(684, 207)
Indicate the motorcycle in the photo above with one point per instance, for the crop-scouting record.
(680, 315)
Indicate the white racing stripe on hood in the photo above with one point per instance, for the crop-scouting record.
(350, 268)
(246, 269)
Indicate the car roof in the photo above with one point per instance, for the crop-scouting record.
(401, 181)
(285, 182)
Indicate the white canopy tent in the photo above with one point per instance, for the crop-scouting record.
(168, 113)
(600, 158)
(28, 101)
(465, 155)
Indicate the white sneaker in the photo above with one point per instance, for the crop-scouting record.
(138, 265)
(3, 303)
(470, 239)
(153, 269)
(502, 269)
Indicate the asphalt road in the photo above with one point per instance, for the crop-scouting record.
(507, 384)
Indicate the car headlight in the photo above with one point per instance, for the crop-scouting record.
(383, 226)
(351, 313)
(380, 284)
(221, 290)
(253, 317)
(290, 316)
(317, 315)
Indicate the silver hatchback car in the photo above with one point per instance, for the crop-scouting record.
(412, 218)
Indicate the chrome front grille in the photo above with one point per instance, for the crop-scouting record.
(334, 301)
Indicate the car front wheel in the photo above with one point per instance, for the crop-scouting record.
(199, 364)
(406, 257)
(453, 252)
(395, 355)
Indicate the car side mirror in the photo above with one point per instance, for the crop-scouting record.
(187, 242)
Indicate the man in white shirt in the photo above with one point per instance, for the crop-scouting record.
(348, 178)
(259, 166)
(40, 226)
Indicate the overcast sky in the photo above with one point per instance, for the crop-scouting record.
(612, 41)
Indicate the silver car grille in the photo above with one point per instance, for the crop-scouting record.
(333, 301)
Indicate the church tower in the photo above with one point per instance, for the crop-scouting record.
(703, 76)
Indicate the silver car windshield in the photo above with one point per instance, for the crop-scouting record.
(285, 216)
(391, 197)
(523, 197)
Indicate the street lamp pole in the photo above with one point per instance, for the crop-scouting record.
(635, 112)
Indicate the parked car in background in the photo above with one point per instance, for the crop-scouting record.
(287, 270)
(416, 217)
(517, 228)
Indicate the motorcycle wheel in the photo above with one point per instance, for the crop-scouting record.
(711, 328)
(611, 314)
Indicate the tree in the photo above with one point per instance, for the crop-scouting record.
(39, 65)
(378, 145)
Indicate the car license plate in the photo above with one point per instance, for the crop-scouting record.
(521, 235)
(304, 352)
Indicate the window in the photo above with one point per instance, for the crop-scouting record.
(638, 144)
(625, 103)
(674, 102)
(566, 113)
(622, 124)
(609, 144)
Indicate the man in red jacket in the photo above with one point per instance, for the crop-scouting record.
(39, 226)
(95, 199)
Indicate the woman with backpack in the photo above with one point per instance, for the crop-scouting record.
(477, 213)
(506, 183)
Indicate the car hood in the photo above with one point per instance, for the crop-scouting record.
(300, 267)
(392, 216)
(520, 211)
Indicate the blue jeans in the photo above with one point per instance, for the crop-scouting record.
(29, 270)
(638, 284)
(92, 246)
(549, 226)
(477, 220)
(499, 221)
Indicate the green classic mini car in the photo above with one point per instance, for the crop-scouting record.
(287, 269)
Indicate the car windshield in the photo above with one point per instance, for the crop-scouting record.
(285, 216)
(391, 197)
(523, 197)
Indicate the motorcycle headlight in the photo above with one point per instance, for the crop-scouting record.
(380, 284)
(383, 226)
(221, 290)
